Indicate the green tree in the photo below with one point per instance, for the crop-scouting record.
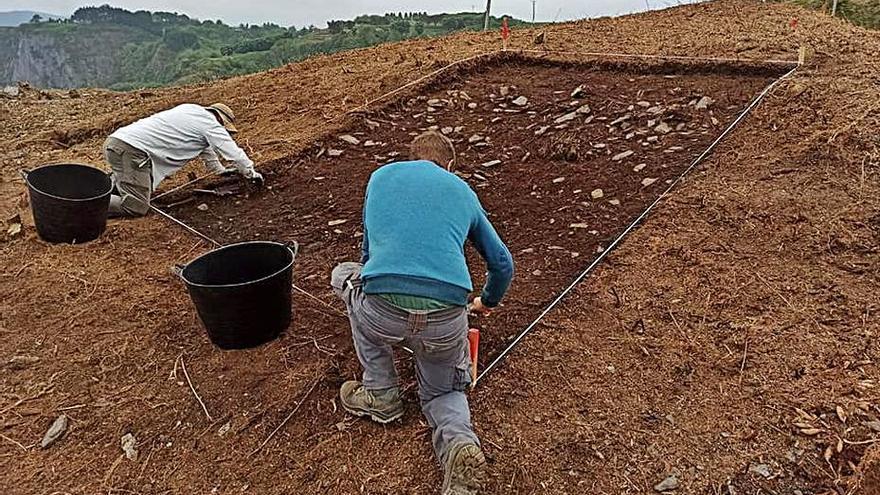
(178, 40)
(36, 19)
(401, 28)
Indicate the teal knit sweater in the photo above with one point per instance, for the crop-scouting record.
(417, 218)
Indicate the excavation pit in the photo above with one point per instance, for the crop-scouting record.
(563, 155)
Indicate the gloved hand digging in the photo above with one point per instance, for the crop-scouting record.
(256, 179)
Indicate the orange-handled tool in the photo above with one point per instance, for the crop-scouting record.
(474, 341)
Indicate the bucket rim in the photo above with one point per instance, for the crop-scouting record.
(26, 174)
(293, 253)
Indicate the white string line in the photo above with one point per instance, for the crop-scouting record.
(185, 226)
(419, 80)
(631, 227)
(662, 57)
(193, 181)
(215, 243)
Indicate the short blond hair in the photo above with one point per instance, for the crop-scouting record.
(434, 147)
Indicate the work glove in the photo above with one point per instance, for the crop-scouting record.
(256, 179)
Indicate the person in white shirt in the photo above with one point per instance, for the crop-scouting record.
(145, 153)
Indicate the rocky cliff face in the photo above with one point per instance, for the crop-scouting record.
(55, 58)
(41, 61)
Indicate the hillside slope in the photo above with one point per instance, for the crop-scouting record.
(743, 309)
(115, 48)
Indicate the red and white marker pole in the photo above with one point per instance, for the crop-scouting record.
(474, 341)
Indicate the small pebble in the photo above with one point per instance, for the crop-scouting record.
(129, 444)
(620, 156)
(669, 484)
(56, 431)
(348, 138)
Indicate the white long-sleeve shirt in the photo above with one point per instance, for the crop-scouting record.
(174, 137)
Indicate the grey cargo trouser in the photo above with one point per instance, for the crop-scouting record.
(439, 343)
(132, 176)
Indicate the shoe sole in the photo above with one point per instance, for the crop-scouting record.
(382, 420)
(468, 474)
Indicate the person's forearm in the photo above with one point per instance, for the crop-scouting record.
(212, 163)
(214, 166)
(245, 167)
(220, 141)
(497, 258)
(498, 280)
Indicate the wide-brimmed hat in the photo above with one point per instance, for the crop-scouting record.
(226, 115)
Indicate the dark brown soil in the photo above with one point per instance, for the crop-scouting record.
(539, 194)
(731, 340)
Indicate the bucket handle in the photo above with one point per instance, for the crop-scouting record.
(24, 174)
(177, 268)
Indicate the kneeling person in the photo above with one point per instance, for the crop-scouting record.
(412, 289)
(145, 153)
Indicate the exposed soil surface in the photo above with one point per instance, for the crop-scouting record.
(561, 176)
(869, 471)
(731, 340)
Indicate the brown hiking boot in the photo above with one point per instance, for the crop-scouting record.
(382, 407)
(464, 470)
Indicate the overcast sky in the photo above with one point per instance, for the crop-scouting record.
(304, 12)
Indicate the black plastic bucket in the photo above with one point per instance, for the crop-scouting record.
(242, 292)
(69, 201)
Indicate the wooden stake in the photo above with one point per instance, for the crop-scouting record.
(802, 55)
(486, 18)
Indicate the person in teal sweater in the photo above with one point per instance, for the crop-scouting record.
(411, 289)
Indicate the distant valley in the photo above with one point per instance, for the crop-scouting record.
(114, 48)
